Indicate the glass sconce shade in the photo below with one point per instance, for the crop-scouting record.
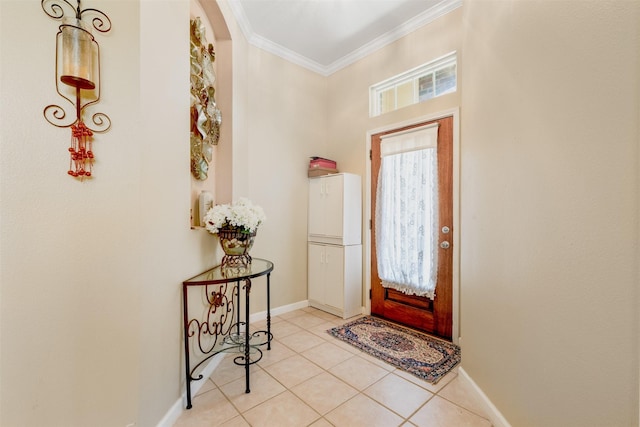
(77, 54)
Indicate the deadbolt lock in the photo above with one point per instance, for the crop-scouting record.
(445, 230)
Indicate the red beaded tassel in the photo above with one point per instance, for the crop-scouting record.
(81, 160)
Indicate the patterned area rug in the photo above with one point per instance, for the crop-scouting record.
(424, 356)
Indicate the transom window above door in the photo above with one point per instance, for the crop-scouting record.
(427, 81)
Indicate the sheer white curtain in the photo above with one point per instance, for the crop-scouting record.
(407, 211)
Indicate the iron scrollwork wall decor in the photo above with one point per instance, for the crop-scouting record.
(206, 117)
(78, 67)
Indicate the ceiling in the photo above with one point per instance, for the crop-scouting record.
(327, 35)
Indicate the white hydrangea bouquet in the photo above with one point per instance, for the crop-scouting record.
(240, 216)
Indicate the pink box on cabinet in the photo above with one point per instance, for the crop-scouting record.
(322, 163)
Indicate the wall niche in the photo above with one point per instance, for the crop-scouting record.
(210, 109)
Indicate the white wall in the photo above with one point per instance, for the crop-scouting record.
(550, 209)
(348, 100)
(348, 88)
(91, 272)
(288, 124)
(169, 251)
(279, 120)
(549, 202)
(69, 292)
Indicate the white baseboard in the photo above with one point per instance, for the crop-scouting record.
(172, 414)
(495, 416)
(179, 406)
(255, 317)
(176, 409)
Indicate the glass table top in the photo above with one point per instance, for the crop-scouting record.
(221, 274)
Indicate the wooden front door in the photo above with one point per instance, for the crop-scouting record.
(432, 316)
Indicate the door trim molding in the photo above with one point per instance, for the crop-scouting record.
(455, 113)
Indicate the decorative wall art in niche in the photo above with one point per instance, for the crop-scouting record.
(206, 117)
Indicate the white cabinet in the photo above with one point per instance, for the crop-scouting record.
(334, 249)
(335, 278)
(335, 209)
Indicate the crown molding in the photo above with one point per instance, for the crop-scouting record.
(241, 18)
(291, 56)
(413, 24)
(410, 26)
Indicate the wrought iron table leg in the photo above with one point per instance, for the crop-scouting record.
(247, 287)
(238, 315)
(186, 344)
(268, 312)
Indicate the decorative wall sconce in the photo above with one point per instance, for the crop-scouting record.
(78, 68)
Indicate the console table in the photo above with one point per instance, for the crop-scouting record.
(218, 327)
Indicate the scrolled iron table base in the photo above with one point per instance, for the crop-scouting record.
(220, 328)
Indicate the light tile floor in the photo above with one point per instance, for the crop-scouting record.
(310, 378)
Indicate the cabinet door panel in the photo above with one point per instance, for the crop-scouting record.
(316, 208)
(316, 268)
(334, 276)
(334, 206)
